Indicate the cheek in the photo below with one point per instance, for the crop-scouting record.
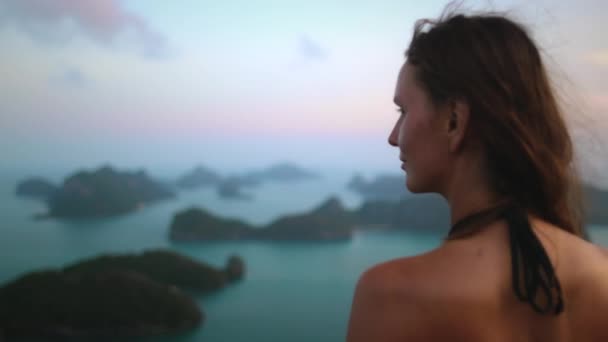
(432, 158)
(408, 131)
(421, 143)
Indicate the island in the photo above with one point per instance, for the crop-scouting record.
(596, 205)
(422, 212)
(197, 224)
(230, 188)
(200, 176)
(281, 172)
(35, 187)
(382, 187)
(330, 221)
(163, 266)
(105, 192)
(388, 201)
(111, 296)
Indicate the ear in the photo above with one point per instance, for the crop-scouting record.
(458, 122)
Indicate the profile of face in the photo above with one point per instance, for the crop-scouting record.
(421, 133)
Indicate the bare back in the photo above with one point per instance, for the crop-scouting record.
(462, 291)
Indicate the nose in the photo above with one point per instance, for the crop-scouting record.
(393, 137)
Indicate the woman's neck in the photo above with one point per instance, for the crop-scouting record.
(469, 191)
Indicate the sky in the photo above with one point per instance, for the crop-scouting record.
(241, 84)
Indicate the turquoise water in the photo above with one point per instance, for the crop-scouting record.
(291, 292)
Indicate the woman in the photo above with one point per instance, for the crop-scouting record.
(480, 125)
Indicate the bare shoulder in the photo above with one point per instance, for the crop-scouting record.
(583, 270)
(458, 292)
(602, 252)
(403, 299)
(575, 255)
(586, 264)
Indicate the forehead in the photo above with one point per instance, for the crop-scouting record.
(405, 83)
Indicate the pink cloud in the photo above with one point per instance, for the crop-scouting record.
(598, 57)
(100, 20)
(599, 101)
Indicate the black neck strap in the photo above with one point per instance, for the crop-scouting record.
(534, 279)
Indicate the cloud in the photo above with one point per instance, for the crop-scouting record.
(103, 21)
(599, 101)
(310, 49)
(71, 76)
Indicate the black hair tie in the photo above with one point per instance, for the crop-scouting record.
(531, 267)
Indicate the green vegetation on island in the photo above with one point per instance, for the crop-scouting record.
(162, 266)
(35, 187)
(382, 187)
(200, 176)
(112, 296)
(105, 192)
(281, 172)
(422, 212)
(230, 187)
(329, 221)
(199, 224)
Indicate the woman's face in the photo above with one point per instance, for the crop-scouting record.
(420, 133)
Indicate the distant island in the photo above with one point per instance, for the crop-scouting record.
(105, 192)
(231, 187)
(328, 222)
(421, 212)
(331, 221)
(199, 177)
(197, 224)
(35, 187)
(385, 198)
(383, 187)
(111, 296)
(281, 172)
(596, 205)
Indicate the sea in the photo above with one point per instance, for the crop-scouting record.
(292, 291)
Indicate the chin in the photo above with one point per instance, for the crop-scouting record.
(416, 187)
(411, 185)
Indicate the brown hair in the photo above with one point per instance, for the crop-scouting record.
(493, 64)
